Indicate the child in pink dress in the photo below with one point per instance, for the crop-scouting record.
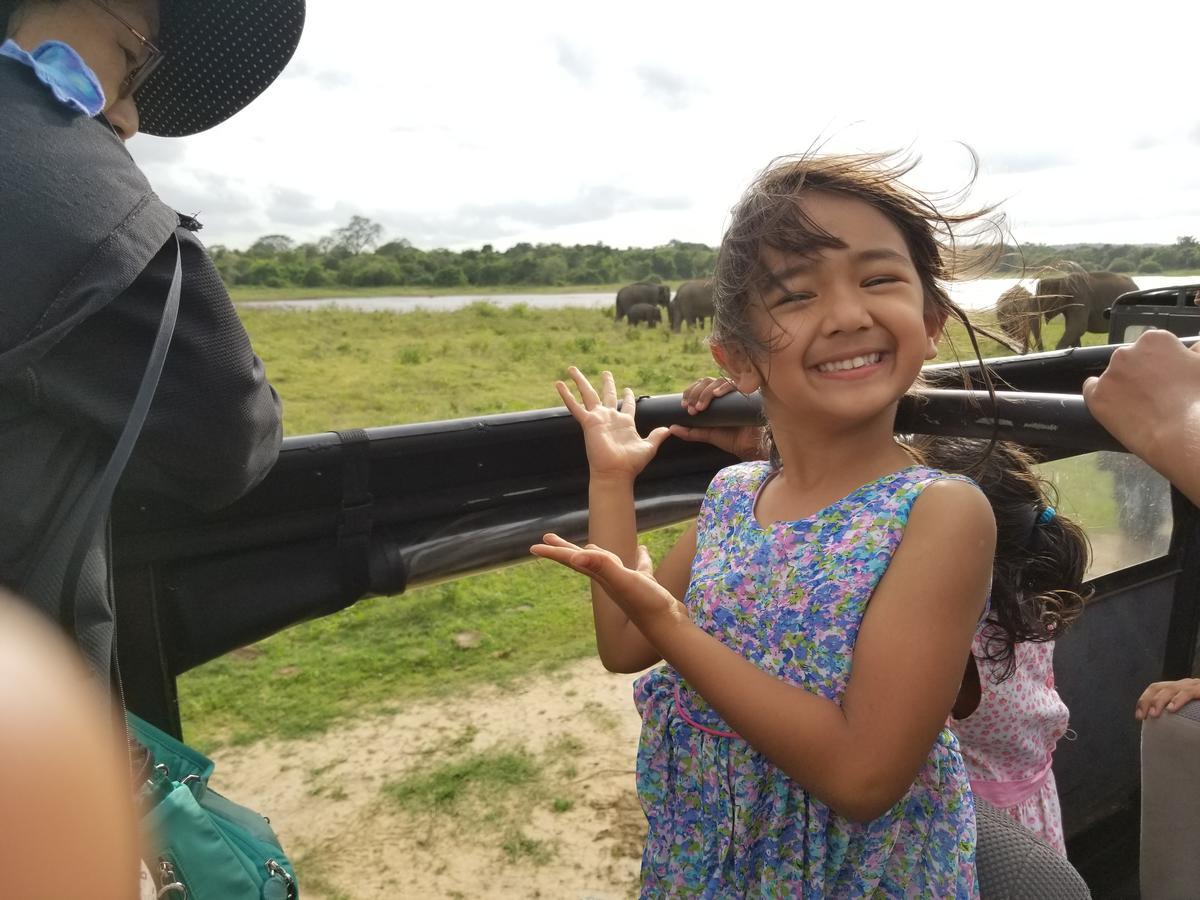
(1009, 717)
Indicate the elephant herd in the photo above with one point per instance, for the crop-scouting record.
(1080, 297)
(644, 302)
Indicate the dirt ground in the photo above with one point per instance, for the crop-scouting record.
(571, 829)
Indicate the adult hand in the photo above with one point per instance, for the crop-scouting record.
(614, 447)
(634, 590)
(1168, 695)
(1149, 399)
(744, 442)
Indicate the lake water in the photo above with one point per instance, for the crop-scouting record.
(968, 294)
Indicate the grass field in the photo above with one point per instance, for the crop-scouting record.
(338, 370)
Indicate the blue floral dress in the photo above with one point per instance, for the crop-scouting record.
(723, 820)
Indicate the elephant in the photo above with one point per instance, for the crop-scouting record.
(644, 312)
(641, 292)
(1081, 297)
(693, 304)
(1014, 309)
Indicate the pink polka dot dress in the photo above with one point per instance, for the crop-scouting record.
(1008, 741)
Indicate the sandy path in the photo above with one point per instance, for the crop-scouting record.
(351, 841)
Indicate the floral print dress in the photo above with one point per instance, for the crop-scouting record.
(723, 820)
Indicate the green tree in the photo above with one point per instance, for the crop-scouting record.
(271, 245)
(358, 235)
(449, 276)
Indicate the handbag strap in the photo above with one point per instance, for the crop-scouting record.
(107, 483)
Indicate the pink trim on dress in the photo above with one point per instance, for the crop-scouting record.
(687, 718)
(1009, 793)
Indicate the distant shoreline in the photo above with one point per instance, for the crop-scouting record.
(243, 293)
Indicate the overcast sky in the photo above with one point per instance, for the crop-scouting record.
(633, 123)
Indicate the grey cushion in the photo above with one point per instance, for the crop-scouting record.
(1015, 864)
(1170, 863)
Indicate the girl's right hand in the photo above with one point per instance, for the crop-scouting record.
(614, 447)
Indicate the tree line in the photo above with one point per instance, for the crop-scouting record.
(1129, 259)
(356, 255)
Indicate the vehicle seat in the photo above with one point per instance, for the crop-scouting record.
(1013, 863)
(1170, 861)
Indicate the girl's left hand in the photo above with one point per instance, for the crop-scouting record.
(634, 590)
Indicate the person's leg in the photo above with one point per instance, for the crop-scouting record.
(1170, 862)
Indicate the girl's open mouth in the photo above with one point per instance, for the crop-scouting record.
(851, 367)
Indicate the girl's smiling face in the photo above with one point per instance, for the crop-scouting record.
(847, 326)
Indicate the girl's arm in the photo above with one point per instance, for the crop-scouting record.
(616, 455)
(860, 757)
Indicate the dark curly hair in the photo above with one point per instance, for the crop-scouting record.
(1041, 558)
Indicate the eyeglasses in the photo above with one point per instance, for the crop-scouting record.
(141, 71)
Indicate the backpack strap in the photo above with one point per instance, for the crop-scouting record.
(101, 500)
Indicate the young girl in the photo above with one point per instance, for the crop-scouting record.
(1008, 716)
(817, 617)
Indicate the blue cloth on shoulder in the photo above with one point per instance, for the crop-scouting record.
(61, 69)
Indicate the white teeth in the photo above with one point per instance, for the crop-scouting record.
(856, 363)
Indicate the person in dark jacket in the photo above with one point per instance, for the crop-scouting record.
(87, 255)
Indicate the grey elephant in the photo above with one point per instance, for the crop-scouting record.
(693, 303)
(641, 292)
(644, 312)
(1081, 297)
(1014, 309)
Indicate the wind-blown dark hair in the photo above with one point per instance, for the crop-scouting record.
(1038, 572)
(770, 215)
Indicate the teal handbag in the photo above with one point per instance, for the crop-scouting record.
(201, 845)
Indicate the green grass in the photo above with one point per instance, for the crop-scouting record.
(340, 369)
(383, 652)
(337, 369)
(488, 775)
(501, 787)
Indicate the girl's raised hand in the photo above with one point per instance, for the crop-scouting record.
(614, 447)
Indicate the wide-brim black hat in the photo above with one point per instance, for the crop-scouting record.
(218, 55)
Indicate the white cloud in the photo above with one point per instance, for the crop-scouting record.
(636, 123)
